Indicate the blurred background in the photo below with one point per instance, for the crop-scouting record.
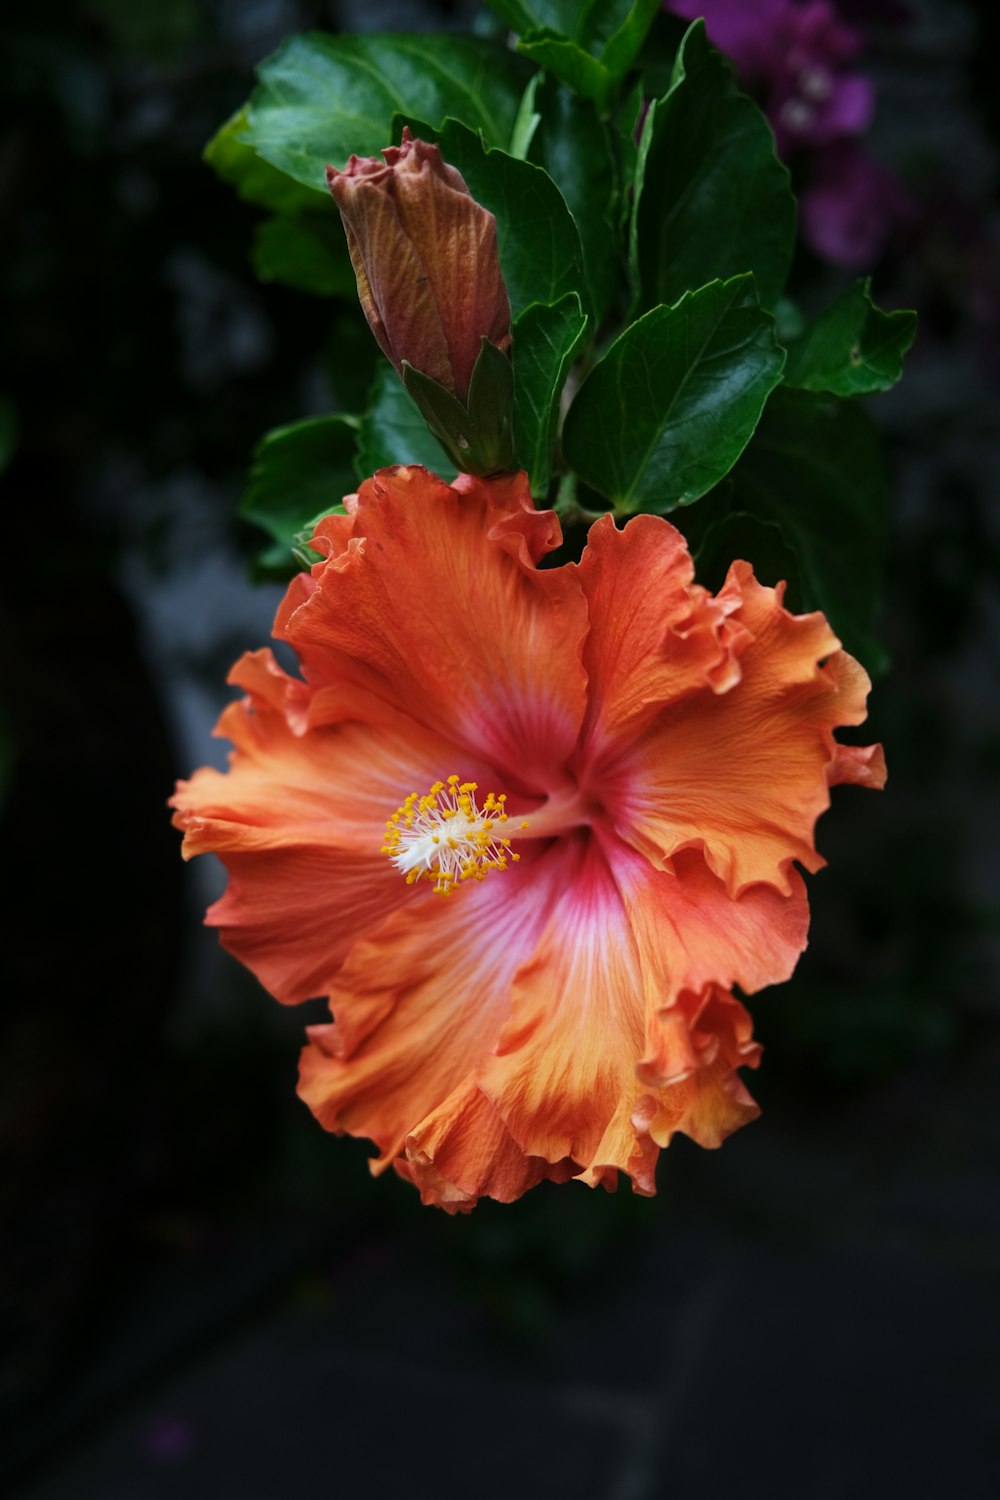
(206, 1295)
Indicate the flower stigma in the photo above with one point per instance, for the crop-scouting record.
(445, 836)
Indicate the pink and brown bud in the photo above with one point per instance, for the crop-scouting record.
(425, 255)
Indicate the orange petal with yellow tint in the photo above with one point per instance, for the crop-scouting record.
(419, 1000)
(433, 591)
(743, 774)
(298, 820)
(567, 1057)
(706, 1101)
(694, 1084)
(617, 1008)
(463, 1151)
(691, 933)
(654, 637)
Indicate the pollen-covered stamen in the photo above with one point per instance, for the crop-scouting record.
(445, 836)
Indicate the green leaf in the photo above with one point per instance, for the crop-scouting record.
(392, 431)
(575, 148)
(622, 47)
(612, 29)
(491, 407)
(852, 349)
(625, 126)
(546, 339)
(322, 98)
(539, 246)
(524, 15)
(255, 180)
(300, 473)
(711, 199)
(760, 543)
(815, 469)
(307, 252)
(588, 47)
(670, 407)
(568, 62)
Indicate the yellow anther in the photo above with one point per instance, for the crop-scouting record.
(443, 835)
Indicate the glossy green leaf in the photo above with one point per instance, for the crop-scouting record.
(611, 29)
(576, 150)
(538, 242)
(570, 63)
(588, 47)
(392, 431)
(622, 47)
(321, 98)
(815, 469)
(712, 199)
(852, 349)
(300, 473)
(670, 407)
(255, 180)
(546, 339)
(307, 252)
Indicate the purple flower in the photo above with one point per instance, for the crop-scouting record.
(850, 206)
(793, 55)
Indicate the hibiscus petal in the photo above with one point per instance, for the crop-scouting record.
(619, 1034)
(463, 1151)
(691, 933)
(418, 1001)
(654, 635)
(858, 765)
(475, 642)
(299, 820)
(567, 1056)
(744, 774)
(706, 1099)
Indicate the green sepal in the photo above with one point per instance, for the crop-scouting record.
(491, 407)
(478, 438)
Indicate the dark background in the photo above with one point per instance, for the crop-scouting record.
(204, 1294)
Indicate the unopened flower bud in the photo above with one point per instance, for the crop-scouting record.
(425, 255)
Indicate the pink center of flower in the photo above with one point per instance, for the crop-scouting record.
(445, 836)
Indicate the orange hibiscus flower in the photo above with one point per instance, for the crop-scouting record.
(526, 828)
